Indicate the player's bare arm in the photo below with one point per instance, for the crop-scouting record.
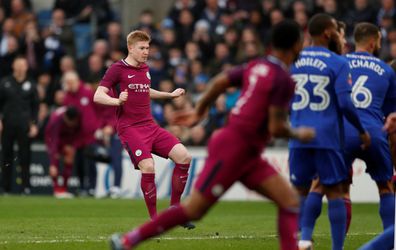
(215, 87)
(278, 126)
(390, 124)
(101, 96)
(155, 94)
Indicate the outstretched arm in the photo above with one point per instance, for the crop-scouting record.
(278, 126)
(155, 94)
(102, 97)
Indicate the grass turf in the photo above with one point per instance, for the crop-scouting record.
(84, 223)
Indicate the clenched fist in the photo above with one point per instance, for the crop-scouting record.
(123, 97)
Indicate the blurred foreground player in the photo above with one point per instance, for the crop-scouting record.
(61, 136)
(234, 152)
(136, 128)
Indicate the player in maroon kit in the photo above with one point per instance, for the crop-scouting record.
(136, 128)
(61, 135)
(234, 152)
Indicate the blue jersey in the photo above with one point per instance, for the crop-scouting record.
(373, 92)
(321, 76)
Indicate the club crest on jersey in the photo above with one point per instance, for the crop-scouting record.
(350, 79)
(148, 75)
(84, 101)
(138, 152)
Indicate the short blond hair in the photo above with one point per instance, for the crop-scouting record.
(138, 36)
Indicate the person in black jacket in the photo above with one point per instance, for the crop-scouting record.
(18, 108)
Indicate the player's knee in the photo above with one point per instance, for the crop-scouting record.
(146, 166)
(184, 158)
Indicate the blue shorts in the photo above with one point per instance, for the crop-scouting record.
(309, 163)
(377, 157)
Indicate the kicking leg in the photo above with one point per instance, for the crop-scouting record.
(279, 190)
(192, 209)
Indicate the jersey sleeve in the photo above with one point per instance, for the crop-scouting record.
(343, 91)
(282, 90)
(111, 77)
(389, 105)
(235, 75)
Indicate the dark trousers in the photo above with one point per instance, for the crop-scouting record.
(10, 135)
(86, 169)
(116, 159)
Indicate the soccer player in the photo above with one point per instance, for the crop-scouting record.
(384, 241)
(322, 97)
(136, 128)
(234, 152)
(374, 95)
(61, 135)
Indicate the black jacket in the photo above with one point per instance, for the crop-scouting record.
(19, 102)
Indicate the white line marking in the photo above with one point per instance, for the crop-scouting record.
(32, 240)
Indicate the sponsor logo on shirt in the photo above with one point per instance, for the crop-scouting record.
(139, 87)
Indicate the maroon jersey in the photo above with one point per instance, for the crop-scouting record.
(136, 111)
(83, 101)
(58, 134)
(264, 83)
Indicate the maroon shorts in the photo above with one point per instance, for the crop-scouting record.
(231, 159)
(140, 142)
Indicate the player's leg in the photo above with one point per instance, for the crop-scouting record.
(69, 153)
(383, 241)
(380, 167)
(23, 142)
(302, 171)
(140, 155)
(7, 149)
(222, 168)
(182, 159)
(192, 209)
(167, 145)
(332, 172)
(116, 163)
(387, 203)
(312, 210)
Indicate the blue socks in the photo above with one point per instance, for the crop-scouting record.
(383, 241)
(337, 217)
(302, 204)
(311, 211)
(387, 209)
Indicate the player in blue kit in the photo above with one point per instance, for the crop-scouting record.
(321, 100)
(374, 95)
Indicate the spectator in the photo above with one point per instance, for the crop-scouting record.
(387, 9)
(61, 32)
(361, 12)
(33, 47)
(222, 55)
(211, 14)
(96, 70)
(7, 31)
(115, 38)
(184, 27)
(21, 16)
(7, 59)
(19, 108)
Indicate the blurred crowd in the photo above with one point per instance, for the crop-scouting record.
(196, 40)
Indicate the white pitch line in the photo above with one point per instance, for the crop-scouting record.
(170, 238)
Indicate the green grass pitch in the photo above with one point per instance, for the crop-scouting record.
(43, 223)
